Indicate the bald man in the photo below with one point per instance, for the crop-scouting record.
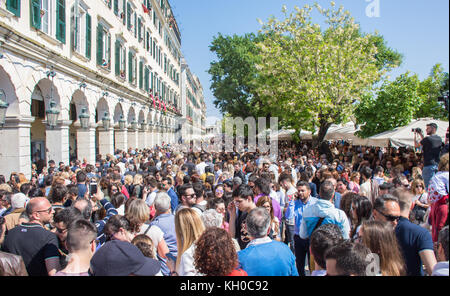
(37, 246)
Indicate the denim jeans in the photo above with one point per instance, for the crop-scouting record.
(289, 239)
(301, 254)
(427, 173)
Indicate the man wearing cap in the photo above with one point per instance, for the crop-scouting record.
(18, 203)
(431, 148)
(119, 258)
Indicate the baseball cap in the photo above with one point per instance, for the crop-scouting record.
(118, 258)
(19, 200)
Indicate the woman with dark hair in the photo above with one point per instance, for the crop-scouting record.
(361, 210)
(346, 204)
(215, 254)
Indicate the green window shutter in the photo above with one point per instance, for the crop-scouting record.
(124, 12)
(135, 25)
(130, 67)
(35, 13)
(99, 44)
(152, 83)
(116, 7)
(61, 20)
(128, 16)
(74, 28)
(141, 74)
(117, 57)
(88, 35)
(146, 78)
(109, 4)
(13, 6)
(139, 29)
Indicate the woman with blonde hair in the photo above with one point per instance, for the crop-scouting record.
(128, 183)
(138, 182)
(379, 237)
(188, 228)
(354, 182)
(138, 213)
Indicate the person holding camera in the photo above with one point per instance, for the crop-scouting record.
(431, 149)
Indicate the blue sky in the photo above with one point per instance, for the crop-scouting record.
(418, 29)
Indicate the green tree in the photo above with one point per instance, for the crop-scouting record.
(234, 74)
(430, 90)
(394, 105)
(314, 76)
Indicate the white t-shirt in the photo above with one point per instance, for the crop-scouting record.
(154, 233)
(186, 267)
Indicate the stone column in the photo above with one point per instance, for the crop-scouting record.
(57, 142)
(143, 142)
(132, 139)
(120, 139)
(106, 141)
(15, 149)
(86, 144)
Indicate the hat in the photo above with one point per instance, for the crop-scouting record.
(237, 181)
(19, 200)
(118, 258)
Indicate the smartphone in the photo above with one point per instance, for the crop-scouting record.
(93, 188)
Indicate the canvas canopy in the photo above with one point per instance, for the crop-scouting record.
(344, 132)
(403, 136)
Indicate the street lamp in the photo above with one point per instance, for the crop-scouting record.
(106, 121)
(3, 106)
(52, 114)
(84, 118)
(134, 124)
(122, 123)
(143, 126)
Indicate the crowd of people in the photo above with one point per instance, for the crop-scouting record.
(333, 210)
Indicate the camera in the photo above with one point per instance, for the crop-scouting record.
(417, 130)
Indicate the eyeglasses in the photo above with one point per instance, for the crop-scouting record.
(59, 230)
(49, 210)
(390, 218)
(219, 191)
(191, 195)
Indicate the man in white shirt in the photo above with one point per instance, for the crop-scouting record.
(201, 166)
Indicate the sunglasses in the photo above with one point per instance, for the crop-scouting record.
(191, 196)
(390, 218)
(49, 210)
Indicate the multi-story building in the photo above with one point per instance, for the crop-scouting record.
(193, 102)
(86, 77)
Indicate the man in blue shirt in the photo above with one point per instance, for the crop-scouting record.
(166, 184)
(295, 208)
(165, 220)
(262, 256)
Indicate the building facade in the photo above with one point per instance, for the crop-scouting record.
(193, 104)
(83, 78)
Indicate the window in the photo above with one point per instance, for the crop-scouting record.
(141, 29)
(120, 58)
(103, 46)
(81, 30)
(132, 67)
(49, 16)
(13, 6)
